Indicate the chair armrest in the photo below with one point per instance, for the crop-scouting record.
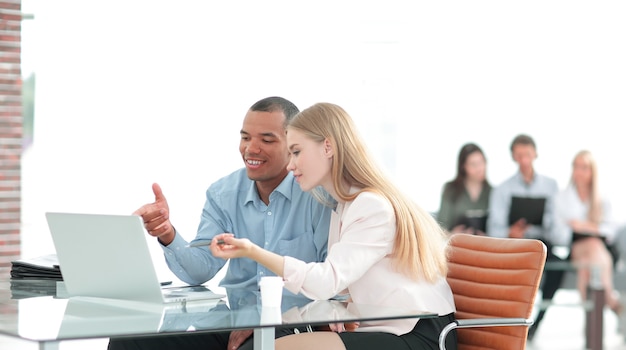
(480, 322)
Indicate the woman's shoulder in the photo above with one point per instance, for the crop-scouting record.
(368, 195)
(448, 189)
(371, 205)
(371, 199)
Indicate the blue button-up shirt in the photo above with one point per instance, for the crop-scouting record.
(500, 204)
(294, 224)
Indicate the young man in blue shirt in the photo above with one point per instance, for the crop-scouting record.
(260, 202)
(527, 183)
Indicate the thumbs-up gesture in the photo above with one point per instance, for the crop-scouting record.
(156, 217)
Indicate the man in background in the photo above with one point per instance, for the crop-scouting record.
(527, 183)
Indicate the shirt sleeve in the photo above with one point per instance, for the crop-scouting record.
(608, 227)
(550, 227)
(197, 265)
(366, 235)
(497, 221)
(562, 230)
(444, 215)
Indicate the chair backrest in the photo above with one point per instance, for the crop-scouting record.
(494, 278)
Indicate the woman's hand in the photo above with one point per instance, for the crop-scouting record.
(337, 327)
(584, 227)
(459, 229)
(343, 327)
(226, 246)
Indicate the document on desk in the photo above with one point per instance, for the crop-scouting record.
(530, 209)
(40, 267)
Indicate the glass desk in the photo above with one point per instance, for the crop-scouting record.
(34, 312)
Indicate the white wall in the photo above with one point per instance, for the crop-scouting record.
(135, 92)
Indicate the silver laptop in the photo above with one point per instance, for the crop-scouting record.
(107, 256)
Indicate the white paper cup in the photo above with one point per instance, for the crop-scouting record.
(271, 315)
(271, 291)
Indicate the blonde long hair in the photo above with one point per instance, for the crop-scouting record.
(595, 205)
(420, 242)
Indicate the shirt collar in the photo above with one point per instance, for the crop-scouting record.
(284, 188)
(520, 178)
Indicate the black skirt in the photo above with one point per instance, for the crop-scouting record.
(425, 335)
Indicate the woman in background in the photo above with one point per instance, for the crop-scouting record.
(465, 200)
(585, 216)
(382, 248)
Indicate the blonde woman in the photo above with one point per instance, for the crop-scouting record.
(585, 216)
(382, 248)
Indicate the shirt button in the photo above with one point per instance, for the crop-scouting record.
(261, 273)
(269, 213)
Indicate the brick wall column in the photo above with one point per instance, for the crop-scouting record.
(10, 130)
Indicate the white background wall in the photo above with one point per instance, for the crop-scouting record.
(135, 92)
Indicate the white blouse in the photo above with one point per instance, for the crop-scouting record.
(569, 207)
(360, 244)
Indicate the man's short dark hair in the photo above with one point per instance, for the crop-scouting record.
(523, 139)
(275, 103)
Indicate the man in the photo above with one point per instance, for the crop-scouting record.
(527, 183)
(261, 202)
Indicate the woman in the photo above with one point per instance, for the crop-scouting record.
(465, 200)
(585, 216)
(382, 248)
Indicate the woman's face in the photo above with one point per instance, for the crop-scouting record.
(581, 171)
(310, 161)
(475, 167)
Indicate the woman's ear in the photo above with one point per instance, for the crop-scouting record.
(328, 148)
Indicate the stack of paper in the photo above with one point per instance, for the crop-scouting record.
(42, 267)
(31, 287)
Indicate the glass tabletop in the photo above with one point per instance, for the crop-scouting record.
(32, 311)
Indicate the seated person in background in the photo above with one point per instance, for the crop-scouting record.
(584, 217)
(261, 202)
(527, 183)
(383, 249)
(465, 200)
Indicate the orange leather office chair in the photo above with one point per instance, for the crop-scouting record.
(494, 282)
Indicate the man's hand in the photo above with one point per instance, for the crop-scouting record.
(156, 217)
(518, 229)
(237, 338)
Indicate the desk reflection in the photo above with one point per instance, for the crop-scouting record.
(52, 319)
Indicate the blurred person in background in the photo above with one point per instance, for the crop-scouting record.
(584, 217)
(465, 199)
(528, 183)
